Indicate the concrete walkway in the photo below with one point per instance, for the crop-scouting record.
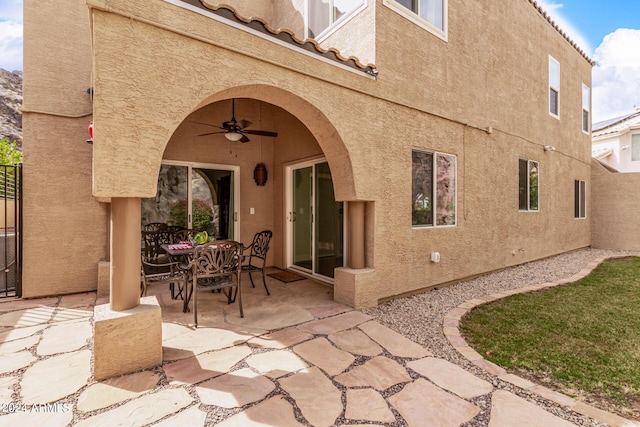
(296, 359)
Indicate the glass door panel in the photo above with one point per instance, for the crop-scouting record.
(170, 205)
(302, 218)
(328, 224)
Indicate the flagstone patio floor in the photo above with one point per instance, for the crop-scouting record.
(296, 359)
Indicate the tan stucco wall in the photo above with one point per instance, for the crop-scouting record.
(65, 228)
(154, 72)
(615, 206)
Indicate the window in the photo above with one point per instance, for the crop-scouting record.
(434, 189)
(323, 14)
(554, 87)
(429, 14)
(528, 185)
(580, 199)
(635, 148)
(586, 102)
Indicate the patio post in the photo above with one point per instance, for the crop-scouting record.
(356, 235)
(125, 253)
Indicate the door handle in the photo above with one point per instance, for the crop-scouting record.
(235, 217)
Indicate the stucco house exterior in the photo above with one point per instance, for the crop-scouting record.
(416, 145)
(616, 143)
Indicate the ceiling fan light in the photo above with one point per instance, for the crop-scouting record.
(233, 136)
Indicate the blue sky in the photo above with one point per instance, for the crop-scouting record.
(607, 30)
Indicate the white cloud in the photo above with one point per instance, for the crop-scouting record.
(616, 76)
(11, 34)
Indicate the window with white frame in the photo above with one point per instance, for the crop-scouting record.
(429, 14)
(635, 148)
(434, 177)
(528, 184)
(324, 14)
(586, 102)
(580, 200)
(554, 87)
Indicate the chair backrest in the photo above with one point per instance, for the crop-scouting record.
(155, 226)
(152, 241)
(260, 244)
(184, 235)
(217, 259)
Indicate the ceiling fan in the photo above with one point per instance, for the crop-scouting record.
(234, 130)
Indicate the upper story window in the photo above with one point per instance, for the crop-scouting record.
(635, 148)
(554, 87)
(528, 185)
(433, 189)
(324, 14)
(429, 14)
(586, 102)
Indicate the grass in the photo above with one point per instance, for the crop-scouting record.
(584, 337)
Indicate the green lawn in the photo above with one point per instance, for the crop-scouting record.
(585, 336)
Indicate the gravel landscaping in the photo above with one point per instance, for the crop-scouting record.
(420, 317)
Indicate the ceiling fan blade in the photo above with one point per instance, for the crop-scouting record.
(206, 124)
(260, 132)
(211, 133)
(244, 124)
(244, 138)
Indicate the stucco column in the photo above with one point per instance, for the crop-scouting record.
(125, 253)
(356, 235)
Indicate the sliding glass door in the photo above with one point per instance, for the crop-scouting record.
(195, 196)
(316, 220)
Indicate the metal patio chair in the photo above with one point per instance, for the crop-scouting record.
(216, 267)
(258, 256)
(159, 268)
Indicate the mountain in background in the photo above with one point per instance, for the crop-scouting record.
(10, 103)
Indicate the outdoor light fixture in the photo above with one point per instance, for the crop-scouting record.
(260, 174)
(549, 148)
(233, 136)
(90, 140)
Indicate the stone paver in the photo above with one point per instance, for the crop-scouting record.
(276, 316)
(11, 362)
(395, 343)
(19, 345)
(367, 404)
(277, 363)
(28, 317)
(451, 377)
(143, 410)
(204, 366)
(72, 314)
(61, 418)
(355, 341)
(235, 389)
(280, 339)
(65, 374)
(192, 417)
(116, 390)
(201, 340)
(322, 311)
(321, 353)
(509, 410)
(379, 373)
(6, 384)
(17, 333)
(318, 399)
(272, 412)
(335, 324)
(421, 400)
(64, 338)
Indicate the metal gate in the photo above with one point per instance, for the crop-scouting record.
(11, 230)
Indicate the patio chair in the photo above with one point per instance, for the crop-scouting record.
(155, 226)
(216, 267)
(159, 268)
(258, 256)
(184, 235)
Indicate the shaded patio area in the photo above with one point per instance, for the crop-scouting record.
(296, 359)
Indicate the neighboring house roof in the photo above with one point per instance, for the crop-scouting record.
(616, 125)
(558, 29)
(601, 153)
(284, 35)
